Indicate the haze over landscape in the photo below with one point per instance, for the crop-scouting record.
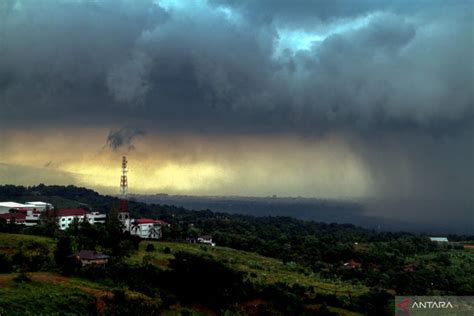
(370, 103)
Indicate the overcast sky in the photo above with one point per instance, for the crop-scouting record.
(330, 98)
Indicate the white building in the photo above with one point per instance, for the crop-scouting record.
(206, 240)
(32, 218)
(124, 218)
(22, 217)
(5, 207)
(439, 239)
(146, 228)
(41, 206)
(96, 218)
(66, 217)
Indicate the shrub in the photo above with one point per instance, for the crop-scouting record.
(5, 264)
(150, 248)
(207, 281)
(132, 303)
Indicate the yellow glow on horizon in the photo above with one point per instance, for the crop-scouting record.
(186, 164)
(169, 177)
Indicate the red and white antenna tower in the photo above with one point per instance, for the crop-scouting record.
(124, 186)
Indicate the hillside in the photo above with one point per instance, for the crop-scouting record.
(286, 264)
(257, 268)
(50, 291)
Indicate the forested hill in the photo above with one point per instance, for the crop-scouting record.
(408, 263)
(206, 220)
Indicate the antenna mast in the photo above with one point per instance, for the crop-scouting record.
(124, 186)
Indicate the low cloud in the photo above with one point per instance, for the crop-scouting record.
(123, 138)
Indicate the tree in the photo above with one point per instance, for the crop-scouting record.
(3, 225)
(150, 248)
(207, 281)
(49, 223)
(89, 236)
(5, 264)
(117, 242)
(193, 232)
(63, 250)
(12, 226)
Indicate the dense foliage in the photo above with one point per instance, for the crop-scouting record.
(402, 262)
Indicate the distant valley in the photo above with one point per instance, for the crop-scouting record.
(320, 210)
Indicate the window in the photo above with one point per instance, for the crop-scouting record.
(63, 219)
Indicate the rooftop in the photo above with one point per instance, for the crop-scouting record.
(206, 237)
(68, 212)
(141, 221)
(19, 217)
(443, 239)
(38, 203)
(90, 255)
(15, 205)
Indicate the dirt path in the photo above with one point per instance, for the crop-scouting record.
(4, 279)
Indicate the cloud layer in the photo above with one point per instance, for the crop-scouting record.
(123, 138)
(367, 67)
(392, 79)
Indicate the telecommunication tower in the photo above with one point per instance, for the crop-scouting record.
(124, 186)
(123, 214)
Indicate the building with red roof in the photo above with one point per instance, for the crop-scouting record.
(90, 257)
(352, 264)
(66, 216)
(18, 218)
(147, 228)
(28, 218)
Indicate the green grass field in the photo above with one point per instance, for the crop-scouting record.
(14, 240)
(10, 243)
(31, 298)
(259, 269)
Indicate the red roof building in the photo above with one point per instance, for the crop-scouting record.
(67, 212)
(352, 264)
(141, 221)
(90, 257)
(70, 212)
(66, 216)
(147, 228)
(17, 217)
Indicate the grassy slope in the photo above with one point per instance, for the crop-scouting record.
(47, 293)
(260, 269)
(46, 298)
(461, 261)
(264, 270)
(10, 242)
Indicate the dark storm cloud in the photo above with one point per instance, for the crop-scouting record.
(123, 138)
(395, 75)
(211, 67)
